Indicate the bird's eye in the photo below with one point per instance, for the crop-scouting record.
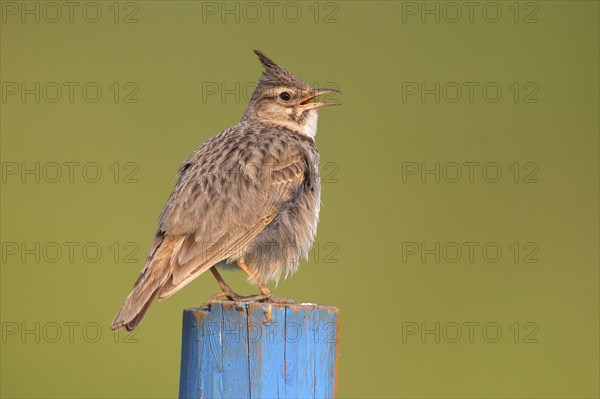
(285, 96)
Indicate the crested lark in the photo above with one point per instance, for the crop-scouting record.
(248, 197)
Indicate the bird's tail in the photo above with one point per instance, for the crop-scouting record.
(146, 288)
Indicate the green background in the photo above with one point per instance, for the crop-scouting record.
(369, 49)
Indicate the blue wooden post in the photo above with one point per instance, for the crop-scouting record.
(259, 350)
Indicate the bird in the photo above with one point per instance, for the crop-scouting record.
(248, 198)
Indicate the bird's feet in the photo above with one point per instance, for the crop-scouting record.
(280, 299)
(269, 297)
(264, 296)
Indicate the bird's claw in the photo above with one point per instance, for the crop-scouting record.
(232, 296)
(282, 300)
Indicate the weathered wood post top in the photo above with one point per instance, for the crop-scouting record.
(259, 350)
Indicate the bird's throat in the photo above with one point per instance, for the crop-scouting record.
(309, 125)
(306, 125)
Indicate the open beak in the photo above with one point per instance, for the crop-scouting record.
(306, 104)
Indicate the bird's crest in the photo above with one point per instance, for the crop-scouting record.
(274, 75)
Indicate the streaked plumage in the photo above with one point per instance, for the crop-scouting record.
(249, 194)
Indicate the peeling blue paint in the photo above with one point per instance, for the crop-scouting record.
(259, 350)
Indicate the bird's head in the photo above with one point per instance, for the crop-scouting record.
(285, 100)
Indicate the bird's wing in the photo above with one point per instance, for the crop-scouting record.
(247, 203)
(206, 257)
(227, 193)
